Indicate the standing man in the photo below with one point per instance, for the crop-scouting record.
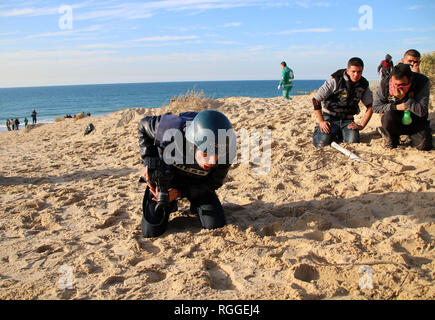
(203, 163)
(386, 66)
(17, 124)
(404, 91)
(412, 57)
(34, 116)
(25, 122)
(341, 95)
(286, 82)
(8, 124)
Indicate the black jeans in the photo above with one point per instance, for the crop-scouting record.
(209, 209)
(419, 130)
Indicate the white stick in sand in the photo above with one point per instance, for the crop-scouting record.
(347, 152)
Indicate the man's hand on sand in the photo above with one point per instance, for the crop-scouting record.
(355, 126)
(324, 126)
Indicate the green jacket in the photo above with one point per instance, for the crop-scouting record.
(287, 77)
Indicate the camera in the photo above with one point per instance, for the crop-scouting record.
(160, 176)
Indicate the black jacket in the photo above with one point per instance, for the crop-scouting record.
(416, 100)
(190, 179)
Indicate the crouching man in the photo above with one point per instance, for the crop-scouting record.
(185, 156)
(341, 94)
(403, 98)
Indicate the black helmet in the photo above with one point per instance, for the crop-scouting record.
(212, 132)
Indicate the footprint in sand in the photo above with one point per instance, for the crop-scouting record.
(153, 275)
(271, 230)
(306, 273)
(315, 235)
(149, 247)
(112, 280)
(219, 279)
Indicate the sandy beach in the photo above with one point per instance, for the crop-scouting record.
(71, 206)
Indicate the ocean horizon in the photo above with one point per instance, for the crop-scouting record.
(52, 102)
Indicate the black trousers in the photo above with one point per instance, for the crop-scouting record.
(419, 130)
(209, 209)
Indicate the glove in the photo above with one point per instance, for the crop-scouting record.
(279, 87)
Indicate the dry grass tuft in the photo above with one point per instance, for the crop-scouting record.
(192, 100)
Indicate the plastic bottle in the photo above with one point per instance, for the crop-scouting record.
(406, 120)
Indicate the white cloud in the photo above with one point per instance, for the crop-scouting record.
(418, 40)
(309, 4)
(147, 9)
(63, 33)
(31, 55)
(35, 11)
(308, 30)
(415, 7)
(233, 24)
(165, 38)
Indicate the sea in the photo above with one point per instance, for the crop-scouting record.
(101, 99)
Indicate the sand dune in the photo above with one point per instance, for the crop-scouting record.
(71, 206)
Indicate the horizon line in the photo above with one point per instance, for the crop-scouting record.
(114, 83)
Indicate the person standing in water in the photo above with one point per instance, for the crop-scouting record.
(286, 82)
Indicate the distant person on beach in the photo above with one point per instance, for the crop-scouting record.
(26, 122)
(341, 95)
(17, 124)
(286, 82)
(12, 121)
(386, 66)
(8, 124)
(33, 116)
(412, 57)
(201, 165)
(404, 91)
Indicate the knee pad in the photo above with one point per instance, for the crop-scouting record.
(211, 217)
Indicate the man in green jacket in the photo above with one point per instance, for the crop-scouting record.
(286, 82)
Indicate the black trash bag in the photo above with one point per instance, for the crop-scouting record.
(89, 128)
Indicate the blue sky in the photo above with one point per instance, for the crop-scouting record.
(114, 41)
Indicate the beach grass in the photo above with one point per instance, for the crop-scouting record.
(192, 100)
